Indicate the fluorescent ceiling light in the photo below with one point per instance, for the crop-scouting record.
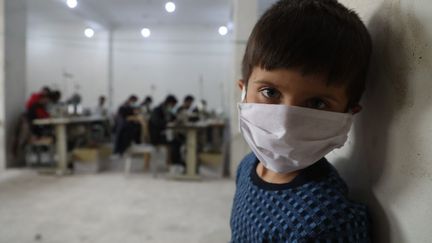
(145, 32)
(72, 3)
(89, 32)
(170, 7)
(223, 30)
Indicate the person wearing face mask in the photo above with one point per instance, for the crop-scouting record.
(159, 119)
(304, 72)
(127, 128)
(146, 107)
(183, 112)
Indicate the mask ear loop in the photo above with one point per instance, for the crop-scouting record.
(243, 95)
(350, 109)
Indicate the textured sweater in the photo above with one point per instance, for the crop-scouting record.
(311, 208)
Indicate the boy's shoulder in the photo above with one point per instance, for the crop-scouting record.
(245, 165)
(247, 161)
(316, 203)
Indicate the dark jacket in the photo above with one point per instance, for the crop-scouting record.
(159, 119)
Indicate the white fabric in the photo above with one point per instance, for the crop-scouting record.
(289, 138)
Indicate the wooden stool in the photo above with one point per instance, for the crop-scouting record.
(36, 144)
(146, 150)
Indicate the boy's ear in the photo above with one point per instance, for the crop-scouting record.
(356, 109)
(242, 87)
(241, 84)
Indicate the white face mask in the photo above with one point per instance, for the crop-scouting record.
(289, 138)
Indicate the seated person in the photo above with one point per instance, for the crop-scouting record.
(38, 110)
(100, 109)
(127, 127)
(45, 92)
(146, 107)
(100, 129)
(159, 119)
(201, 111)
(55, 106)
(183, 113)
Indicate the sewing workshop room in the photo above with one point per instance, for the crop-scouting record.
(215, 121)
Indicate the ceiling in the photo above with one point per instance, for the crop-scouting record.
(188, 12)
(133, 13)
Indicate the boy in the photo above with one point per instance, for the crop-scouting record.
(304, 72)
(183, 114)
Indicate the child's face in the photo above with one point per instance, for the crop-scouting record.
(290, 87)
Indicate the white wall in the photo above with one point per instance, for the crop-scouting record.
(54, 50)
(2, 99)
(15, 55)
(387, 161)
(173, 60)
(246, 14)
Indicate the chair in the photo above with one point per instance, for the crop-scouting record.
(25, 143)
(39, 146)
(145, 150)
(217, 156)
(148, 151)
(145, 136)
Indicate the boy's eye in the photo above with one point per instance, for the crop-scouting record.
(317, 103)
(270, 93)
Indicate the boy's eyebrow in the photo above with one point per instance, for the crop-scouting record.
(327, 96)
(265, 82)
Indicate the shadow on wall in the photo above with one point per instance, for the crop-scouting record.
(399, 45)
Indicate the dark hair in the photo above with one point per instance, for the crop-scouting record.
(148, 99)
(189, 98)
(170, 99)
(315, 36)
(46, 89)
(133, 98)
(54, 96)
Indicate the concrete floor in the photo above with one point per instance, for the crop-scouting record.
(112, 208)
